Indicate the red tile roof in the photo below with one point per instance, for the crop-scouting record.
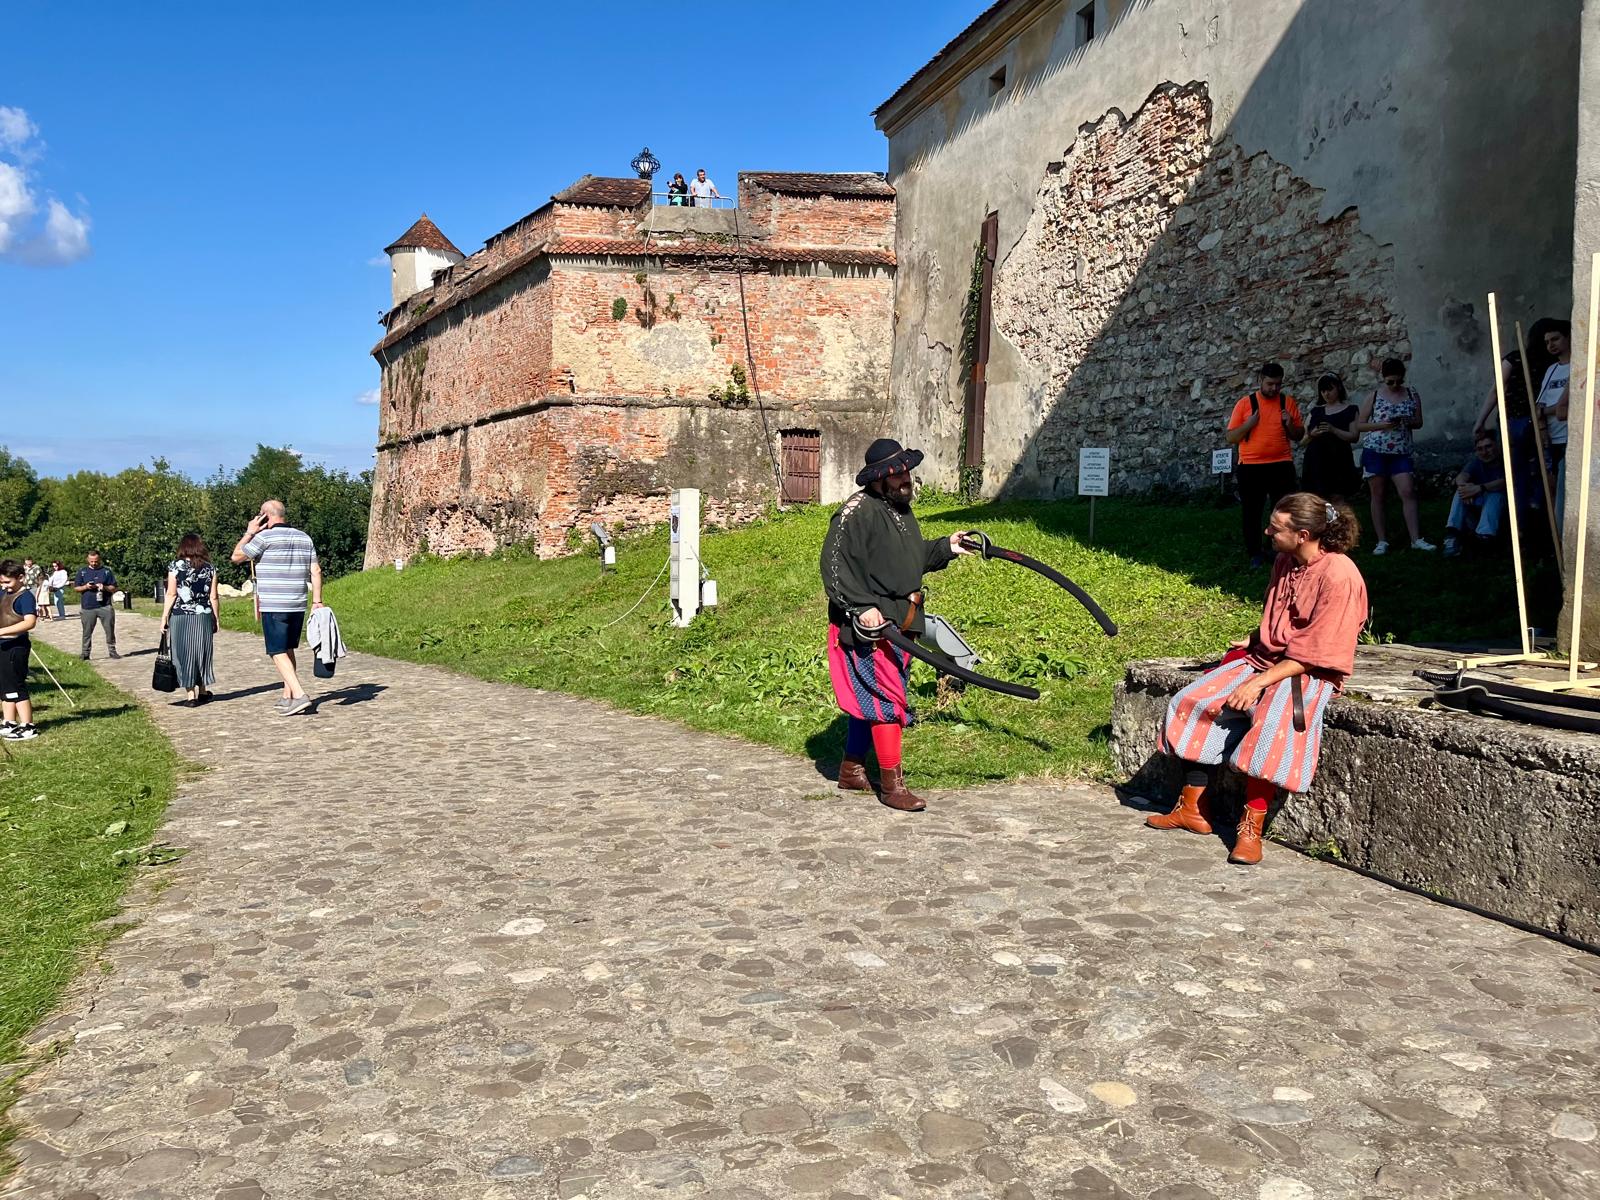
(808, 183)
(424, 234)
(604, 191)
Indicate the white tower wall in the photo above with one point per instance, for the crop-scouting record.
(411, 269)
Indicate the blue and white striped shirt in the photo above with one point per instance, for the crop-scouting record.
(283, 556)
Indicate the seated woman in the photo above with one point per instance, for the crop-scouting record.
(1261, 708)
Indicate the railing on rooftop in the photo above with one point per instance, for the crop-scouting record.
(665, 199)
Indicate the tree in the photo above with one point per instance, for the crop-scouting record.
(20, 508)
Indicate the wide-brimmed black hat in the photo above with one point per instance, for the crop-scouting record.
(884, 457)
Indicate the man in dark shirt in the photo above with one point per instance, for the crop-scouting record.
(873, 560)
(1480, 500)
(95, 586)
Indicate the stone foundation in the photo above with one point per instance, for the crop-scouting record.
(1497, 814)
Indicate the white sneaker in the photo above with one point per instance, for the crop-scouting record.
(1381, 548)
(1423, 544)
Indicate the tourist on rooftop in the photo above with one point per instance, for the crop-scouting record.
(702, 190)
(677, 190)
(1261, 708)
(1264, 425)
(1389, 417)
(1480, 500)
(1330, 470)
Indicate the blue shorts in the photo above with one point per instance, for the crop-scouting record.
(282, 631)
(1375, 463)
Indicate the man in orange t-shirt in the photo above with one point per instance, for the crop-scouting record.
(1265, 425)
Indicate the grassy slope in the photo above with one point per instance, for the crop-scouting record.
(102, 763)
(1170, 575)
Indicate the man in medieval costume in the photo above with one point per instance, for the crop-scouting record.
(873, 561)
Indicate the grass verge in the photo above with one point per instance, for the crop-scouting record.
(78, 807)
(1171, 575)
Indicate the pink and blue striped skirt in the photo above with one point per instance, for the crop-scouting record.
(1262, 742)
(869, 679)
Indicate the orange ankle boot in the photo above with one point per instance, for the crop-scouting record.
(1185, 814)
(1247, 842)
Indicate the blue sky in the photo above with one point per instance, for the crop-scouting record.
(194, 196)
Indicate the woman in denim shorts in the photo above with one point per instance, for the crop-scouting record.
(1389, 417)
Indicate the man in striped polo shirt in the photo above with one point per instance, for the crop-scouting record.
(286, 568)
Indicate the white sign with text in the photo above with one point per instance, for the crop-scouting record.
(1094, 471)
(1221, 462)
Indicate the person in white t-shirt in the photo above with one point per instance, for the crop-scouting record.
(1552, 406)
(701, 190)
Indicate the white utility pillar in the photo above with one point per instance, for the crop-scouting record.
(684, 579)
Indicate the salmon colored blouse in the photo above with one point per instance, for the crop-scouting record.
(1313, 615)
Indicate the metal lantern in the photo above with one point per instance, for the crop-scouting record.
(645, 163)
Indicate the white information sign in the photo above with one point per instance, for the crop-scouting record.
(1094, 471)
(1221, 462)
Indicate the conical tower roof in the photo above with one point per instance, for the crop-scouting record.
(423, 234)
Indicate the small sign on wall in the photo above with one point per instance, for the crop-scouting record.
(1221, 461)
(1094, 471)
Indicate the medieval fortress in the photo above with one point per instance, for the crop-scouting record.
(1098, 216)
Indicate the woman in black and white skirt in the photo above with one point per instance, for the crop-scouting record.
(190, 615)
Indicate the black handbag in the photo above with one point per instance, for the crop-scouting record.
(165, 676)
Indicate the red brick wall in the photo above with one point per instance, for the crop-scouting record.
(489, 352)
(861, 223)
(815, 340)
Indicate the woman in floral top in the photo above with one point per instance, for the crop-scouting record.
(189, 617)
(1389, 417)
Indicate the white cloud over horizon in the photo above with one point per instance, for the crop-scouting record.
(370, 396)
(63, 236)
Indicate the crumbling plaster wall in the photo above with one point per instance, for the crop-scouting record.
(1414, 120)
(1149, 254)
(819, 342)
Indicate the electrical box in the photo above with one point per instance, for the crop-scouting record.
(684, 577)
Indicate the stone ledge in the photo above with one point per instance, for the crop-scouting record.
(1497, 814)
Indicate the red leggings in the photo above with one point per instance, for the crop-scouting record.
(885, 737)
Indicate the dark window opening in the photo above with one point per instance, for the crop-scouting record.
(1086, 23)
(802, 465)
(997, 82)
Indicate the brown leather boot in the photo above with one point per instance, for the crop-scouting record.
(853, 776)
(1247, 843)
(895, 793)
(1187, 813)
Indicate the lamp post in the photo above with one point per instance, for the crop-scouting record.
(645, 163)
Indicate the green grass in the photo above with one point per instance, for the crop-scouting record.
(1170, 574)
(100, 766)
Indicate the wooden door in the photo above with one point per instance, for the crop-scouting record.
(802, 465)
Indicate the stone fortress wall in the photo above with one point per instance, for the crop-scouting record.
(586, 361)
(1205, 185)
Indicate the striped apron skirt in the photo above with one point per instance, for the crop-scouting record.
(1262, 742)
(869, 679)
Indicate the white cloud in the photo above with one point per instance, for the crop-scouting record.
(378, 260)
(17, 133)
(370, 396)
(64, 239)
(63, 236)
(16, 202)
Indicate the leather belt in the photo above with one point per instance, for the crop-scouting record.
(1297, 701)
(913, 607)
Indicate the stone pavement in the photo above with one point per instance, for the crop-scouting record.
(450, 939)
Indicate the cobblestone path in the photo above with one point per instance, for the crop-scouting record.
(448, 939)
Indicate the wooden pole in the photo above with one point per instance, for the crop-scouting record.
(1538, 449)
(1511, 485)
(1576, 622)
